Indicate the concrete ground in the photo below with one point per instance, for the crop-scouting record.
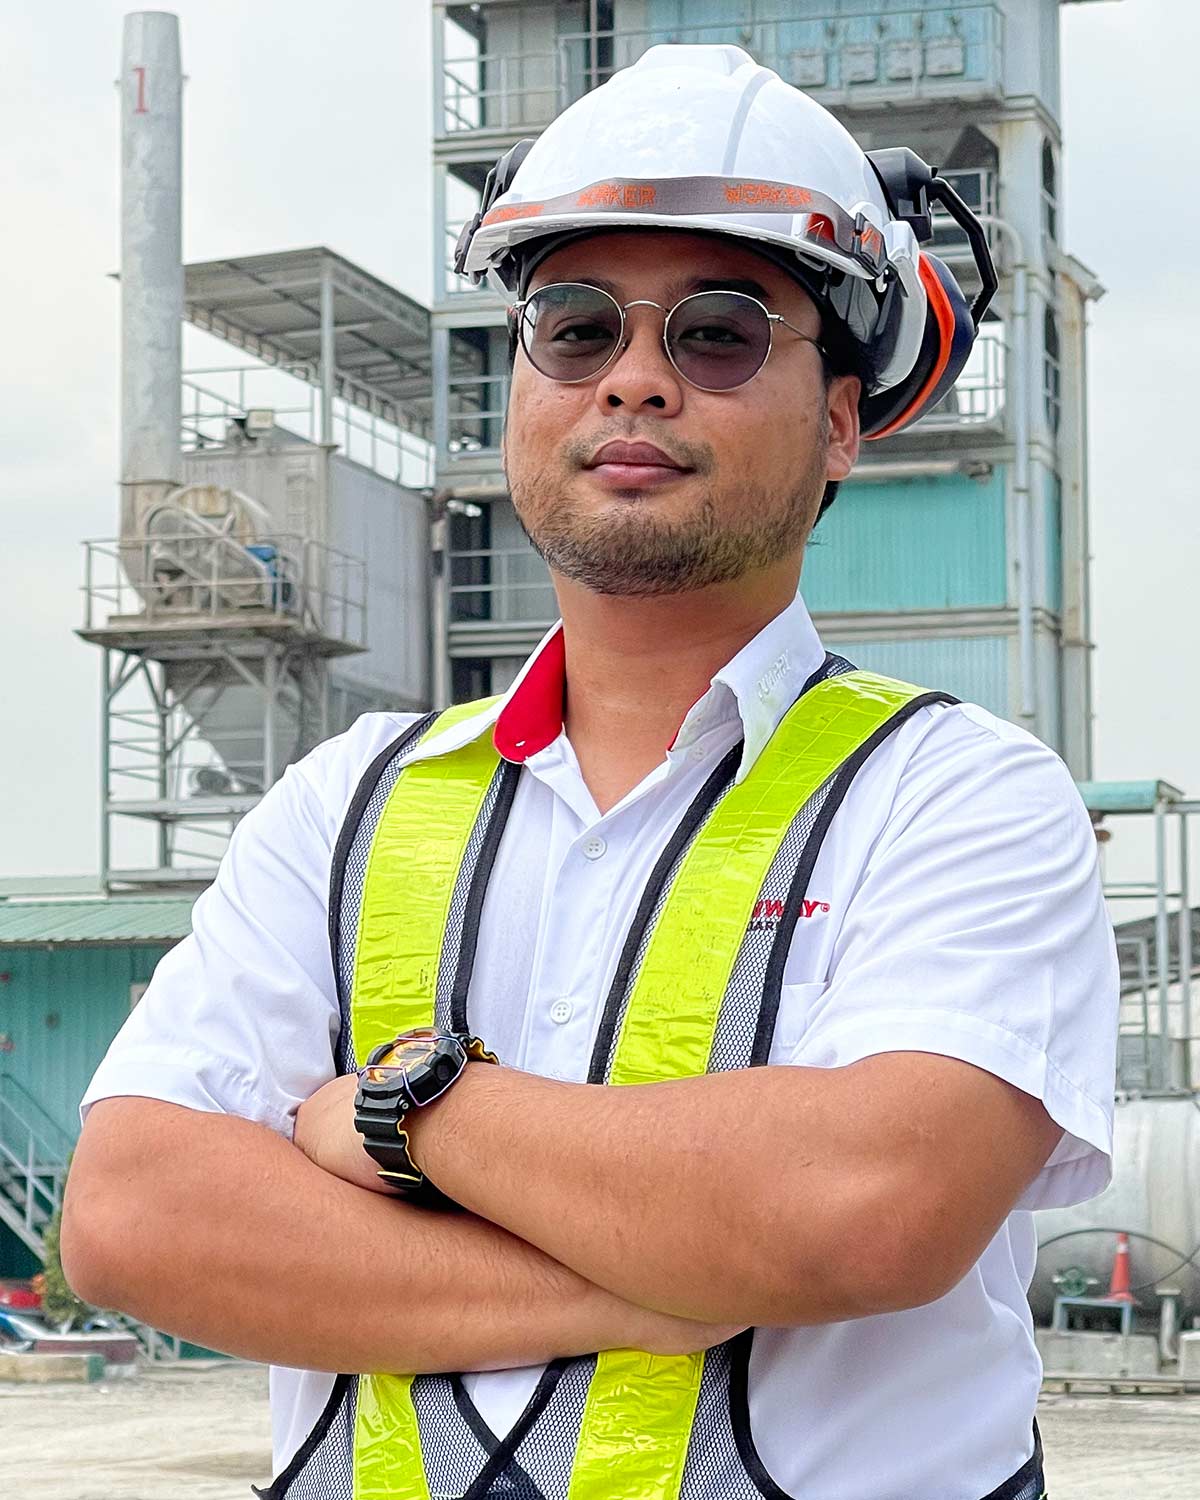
(190, 1434)
(167, 1434)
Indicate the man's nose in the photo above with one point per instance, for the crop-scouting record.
(641, 374)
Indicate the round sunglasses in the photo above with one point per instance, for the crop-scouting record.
(716, 341)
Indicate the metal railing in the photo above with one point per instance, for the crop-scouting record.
(214, 396)
(977, 398)
(33, 1163)
(477, 404)
(506, 584)
(454, 285)
(34, 1153)
(1158, 947)
(500, 91)
(283, 578)
(868, 56)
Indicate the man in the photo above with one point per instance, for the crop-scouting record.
(686, 843)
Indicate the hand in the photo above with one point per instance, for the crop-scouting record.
(661, 1333)
(325, 1133)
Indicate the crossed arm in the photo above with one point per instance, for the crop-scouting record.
(661, 1216)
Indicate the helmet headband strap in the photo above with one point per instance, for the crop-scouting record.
(785, 207)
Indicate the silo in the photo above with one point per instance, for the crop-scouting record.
(239, 619)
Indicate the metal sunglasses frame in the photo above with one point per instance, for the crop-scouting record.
(517, 313)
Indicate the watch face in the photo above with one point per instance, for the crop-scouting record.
(401, 1056)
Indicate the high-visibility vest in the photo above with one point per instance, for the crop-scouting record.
(696, 990)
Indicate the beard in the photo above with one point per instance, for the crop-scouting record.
(627, 550)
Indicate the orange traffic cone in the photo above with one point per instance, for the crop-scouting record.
(1118, 1290)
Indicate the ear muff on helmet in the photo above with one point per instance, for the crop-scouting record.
(947, 341)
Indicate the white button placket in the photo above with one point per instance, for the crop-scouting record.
(569, 979)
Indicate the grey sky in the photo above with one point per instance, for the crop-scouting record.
(308, 123)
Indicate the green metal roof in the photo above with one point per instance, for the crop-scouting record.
(87, 923)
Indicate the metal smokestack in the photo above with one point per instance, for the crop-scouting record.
(151, 262)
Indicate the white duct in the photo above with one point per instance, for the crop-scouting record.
(151, 87)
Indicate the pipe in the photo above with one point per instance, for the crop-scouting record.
(441, 688)
(1019, 387)
(151, 87)
(1185, 949)
(903, 468)
(1028, 707)
(1162, 944)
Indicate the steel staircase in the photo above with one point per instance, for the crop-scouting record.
(34, 1153)
(33, 1164)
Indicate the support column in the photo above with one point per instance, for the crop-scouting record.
(327, 352)
(270, 688)
(1076, 543)
(105, 757)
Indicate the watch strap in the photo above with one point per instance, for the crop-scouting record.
(386, 1140)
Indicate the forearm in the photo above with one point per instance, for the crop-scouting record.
(676, 1196)
(218, 1230)
(777, 1196)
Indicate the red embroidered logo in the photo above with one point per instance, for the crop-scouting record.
(768, 914)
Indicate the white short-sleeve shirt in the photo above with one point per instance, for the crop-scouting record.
(955, 908)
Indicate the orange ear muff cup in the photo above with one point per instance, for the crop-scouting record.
(938, 347)
(964, 335)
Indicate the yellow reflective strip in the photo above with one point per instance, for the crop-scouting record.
(636, 1426)
(676, 1001)
(638, 1417)
(411, 871)
(387, 1445)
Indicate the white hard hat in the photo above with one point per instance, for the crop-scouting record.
(703, 138)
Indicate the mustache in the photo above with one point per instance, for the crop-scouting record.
(697, 456)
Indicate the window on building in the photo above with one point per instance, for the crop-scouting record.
(1052, 380)
(470, 678)
(471, 567)
(1049, 191)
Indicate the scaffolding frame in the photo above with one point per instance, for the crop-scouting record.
(176, 649)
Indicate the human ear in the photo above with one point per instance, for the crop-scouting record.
(842, 397)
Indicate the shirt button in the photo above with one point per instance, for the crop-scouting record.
(697, 753)
(594, 847)
(561, 1012)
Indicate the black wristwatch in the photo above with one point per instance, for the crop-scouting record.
(408, 1073)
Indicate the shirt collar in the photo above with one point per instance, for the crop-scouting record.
(758, 686)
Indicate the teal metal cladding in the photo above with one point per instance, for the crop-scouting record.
(848, 35)
(974, 668)
(59, 1010)
(937, 542)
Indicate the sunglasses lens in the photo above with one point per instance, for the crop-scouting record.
(569, 330)
(718, 340)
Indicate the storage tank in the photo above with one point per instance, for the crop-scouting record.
(307, 490)
(1154, 1197)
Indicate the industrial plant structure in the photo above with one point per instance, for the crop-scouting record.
(346, 542)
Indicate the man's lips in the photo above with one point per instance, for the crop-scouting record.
(634, 466)
(634, 455)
